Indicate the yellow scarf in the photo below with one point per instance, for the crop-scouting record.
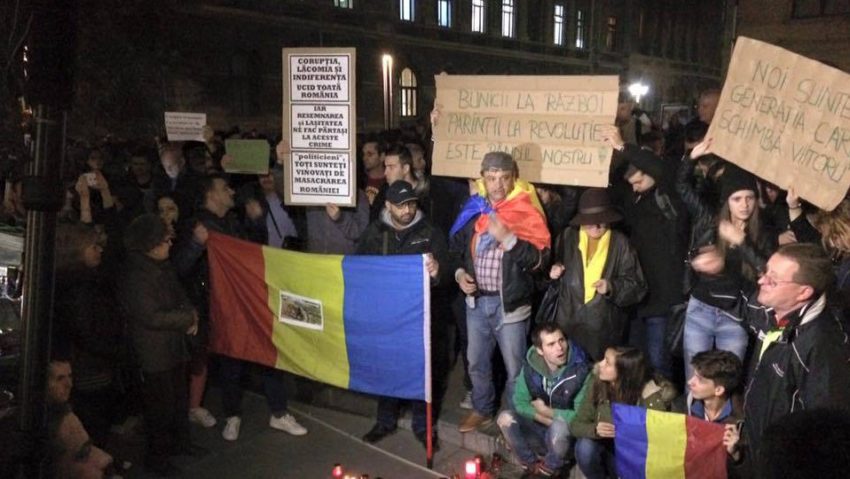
(593, 268)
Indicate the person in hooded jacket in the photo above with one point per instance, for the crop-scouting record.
(598, 275)
(656, 221)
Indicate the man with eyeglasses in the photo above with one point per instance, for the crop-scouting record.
(403, 229)
(801, 355)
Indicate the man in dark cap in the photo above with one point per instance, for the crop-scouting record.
(403, 229)
(160, 316)
(499, 241)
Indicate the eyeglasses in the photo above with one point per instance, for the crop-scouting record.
(772, 282)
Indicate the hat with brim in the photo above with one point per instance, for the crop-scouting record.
(594, 208)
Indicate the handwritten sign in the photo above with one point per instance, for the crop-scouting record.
(182, 126)
(247, 156)
(786, 118)
(551, 125)
(319, 120)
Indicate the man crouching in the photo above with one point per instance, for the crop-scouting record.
(545, 399)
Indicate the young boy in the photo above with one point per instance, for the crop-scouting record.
(717, 375)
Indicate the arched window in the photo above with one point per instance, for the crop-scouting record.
(407, 82)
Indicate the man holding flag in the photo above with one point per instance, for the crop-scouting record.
(499, 241)
(401, 228)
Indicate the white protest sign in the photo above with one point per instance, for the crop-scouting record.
(319, 122)
(786, 118)
(183, 126)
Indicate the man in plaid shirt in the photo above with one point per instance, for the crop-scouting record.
(498, 242)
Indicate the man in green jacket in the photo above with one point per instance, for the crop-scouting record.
(547, 391)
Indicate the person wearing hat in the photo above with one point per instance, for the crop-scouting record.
(499, 241)
(403, 229)
(656, 222)
(160, 316)
(598, 276)
(728, 251)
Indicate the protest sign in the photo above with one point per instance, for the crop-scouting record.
(319, 122)
(247, 156)
(551, 125)
(183, 126)
(786, 118)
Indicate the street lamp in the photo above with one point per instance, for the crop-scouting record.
(637, 90)
(387, 64)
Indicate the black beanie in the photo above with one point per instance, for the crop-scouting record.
(735, 179)
(145, 233)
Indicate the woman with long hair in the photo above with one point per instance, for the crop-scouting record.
(728, 249)
(624, 376)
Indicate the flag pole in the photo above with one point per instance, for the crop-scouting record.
(429, 437)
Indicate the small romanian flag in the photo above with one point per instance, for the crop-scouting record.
(355, 322)
(663, 445)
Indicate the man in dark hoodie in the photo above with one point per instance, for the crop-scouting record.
(402, 229)
(657, 224)
(545, 399)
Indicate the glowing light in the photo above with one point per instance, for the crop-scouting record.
(336, 471)
(638, 90)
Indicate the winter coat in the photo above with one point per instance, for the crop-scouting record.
(806, 368)
(559, 390)
(720, 290)
(519, 265)
(601, 322)
(88, 320)
(656, 222)
(732, 412)
(657, 394)
(381, 238)
(159, 312)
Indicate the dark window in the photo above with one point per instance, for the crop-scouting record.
(820, 8)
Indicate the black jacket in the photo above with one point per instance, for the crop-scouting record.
(88, 324)
(806, 368)
(420, 237)
(518, 266)
(721, 290)
(657, 225)
(602, 321)
(158, 310)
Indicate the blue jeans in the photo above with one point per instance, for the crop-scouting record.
(524, 436)
(485, 329)
(595, 458)
(659, 356)
(706, 327)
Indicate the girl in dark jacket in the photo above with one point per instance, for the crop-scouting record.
(598, 276)
(729, 249)
(623, 376)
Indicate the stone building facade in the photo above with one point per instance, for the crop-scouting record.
(230, 50)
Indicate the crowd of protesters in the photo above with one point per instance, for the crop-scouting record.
(686, 273)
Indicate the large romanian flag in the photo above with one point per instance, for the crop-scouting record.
(356, 322)
(662, 445)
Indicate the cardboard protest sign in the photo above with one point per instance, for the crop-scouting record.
(247, 156)
(786, 118)
(551, 125)
(183, 126)
(319, 122)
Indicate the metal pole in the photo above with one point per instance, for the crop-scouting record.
(49, 88)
